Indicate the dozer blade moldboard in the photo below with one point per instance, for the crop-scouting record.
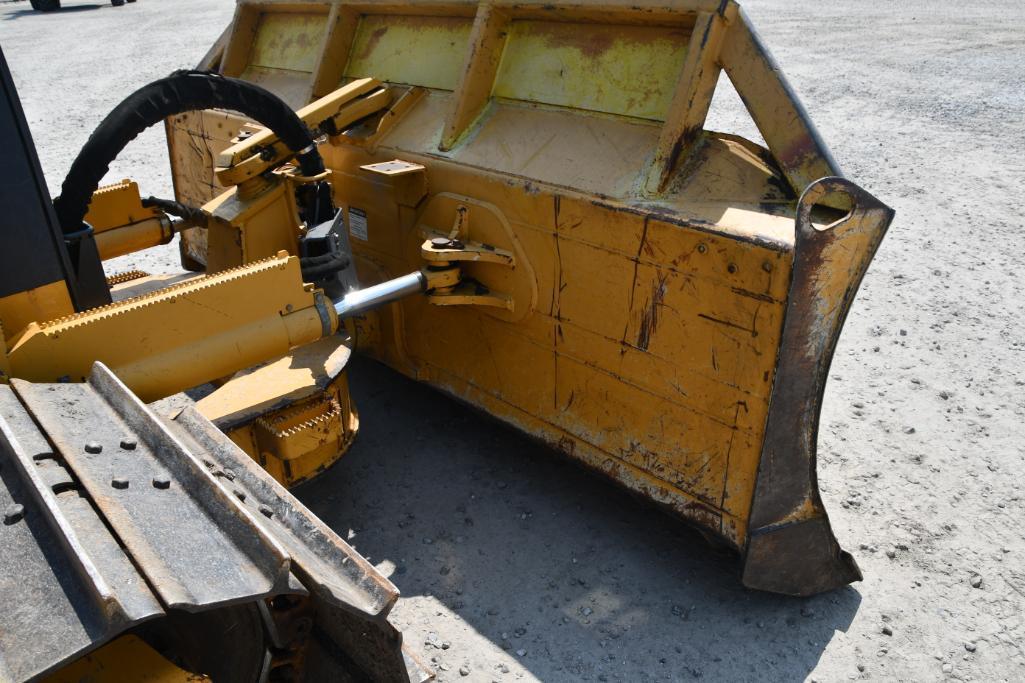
(139, 543)
(670, 296)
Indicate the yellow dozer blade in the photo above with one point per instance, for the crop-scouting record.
(658, 301)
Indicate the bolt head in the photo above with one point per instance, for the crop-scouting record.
(14, 513)
(266, 511)
(161, 482)
(440, 243)
(129, 443)
(240, 495)
(119, 483)
(93, 447)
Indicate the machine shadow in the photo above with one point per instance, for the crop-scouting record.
(29, 12)
(538, 555)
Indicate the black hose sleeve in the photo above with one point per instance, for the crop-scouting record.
(315, 268)
(176, 209)
(180, 92)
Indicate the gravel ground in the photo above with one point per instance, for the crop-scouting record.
(516, 566)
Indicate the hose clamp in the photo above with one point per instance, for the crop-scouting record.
(77, 236)
(320, 303)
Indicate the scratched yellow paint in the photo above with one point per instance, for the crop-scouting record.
(648, 345)
(652, 346)
(289, 41)
(627, 70)
(426, 51)
(668, 396)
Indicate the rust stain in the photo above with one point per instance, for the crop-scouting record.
(646, 246)
(372, 42)
(591, 44)
(560, 285)
(633, 282)
(754, 295)
(727, 323)
(800, 152)
(649, 317)
(724, 496)
(410, 24)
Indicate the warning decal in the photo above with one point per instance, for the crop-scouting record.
(358, 223)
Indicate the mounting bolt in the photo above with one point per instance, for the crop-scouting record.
(702, 248)
(732, 268)
(229, 474)
(14, 513)
(440, 243)
(240, 495)
(129, 443)
(767, 267)
(161, 482)
(266, 511)
(119, 483)
(93, 447)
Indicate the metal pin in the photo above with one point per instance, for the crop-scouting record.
(93, 447)
(119, 483)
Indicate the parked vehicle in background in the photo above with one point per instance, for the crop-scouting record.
(52, 5)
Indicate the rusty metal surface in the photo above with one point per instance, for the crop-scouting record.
(789, 133)
(791, 548)
(195, 543)
(67, 587)
(659, 254)
(353, 598)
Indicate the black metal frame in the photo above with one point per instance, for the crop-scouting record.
(34, 251)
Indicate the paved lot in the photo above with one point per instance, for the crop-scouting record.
(518, 566)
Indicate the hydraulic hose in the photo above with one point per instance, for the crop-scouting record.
(180, 92)
(177, 209)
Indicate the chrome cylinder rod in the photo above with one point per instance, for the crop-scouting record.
(366, 299)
